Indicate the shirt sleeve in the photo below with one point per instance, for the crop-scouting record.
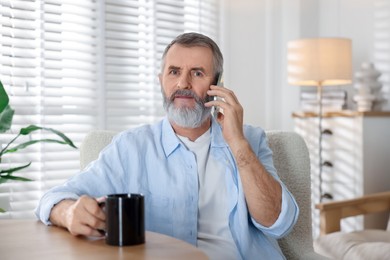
(289, 211)
(48, 201)
(287, 218)
(101, 177)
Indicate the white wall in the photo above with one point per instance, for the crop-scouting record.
(255, 35)
(352, 19)
(244, 46)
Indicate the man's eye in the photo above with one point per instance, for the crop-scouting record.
(198, 73)
(173, 72)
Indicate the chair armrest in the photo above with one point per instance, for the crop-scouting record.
(331, 213)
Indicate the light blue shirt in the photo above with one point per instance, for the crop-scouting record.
(151, 160)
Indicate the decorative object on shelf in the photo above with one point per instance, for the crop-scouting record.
(320, 62)
(368, 87)
(6, 116)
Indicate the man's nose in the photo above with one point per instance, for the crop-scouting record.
(184, 82)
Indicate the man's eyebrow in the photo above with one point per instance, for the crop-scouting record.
(178, 68)
(174, 67)
(198, 68)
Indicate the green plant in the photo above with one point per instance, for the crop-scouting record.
(6, 115)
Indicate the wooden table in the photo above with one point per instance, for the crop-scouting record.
(30, 239)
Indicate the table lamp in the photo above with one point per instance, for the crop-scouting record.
(319, 62)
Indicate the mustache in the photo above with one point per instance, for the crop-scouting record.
(187, 93)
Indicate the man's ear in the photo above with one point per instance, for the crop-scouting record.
(160, 78)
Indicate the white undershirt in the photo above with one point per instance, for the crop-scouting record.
(214, 236)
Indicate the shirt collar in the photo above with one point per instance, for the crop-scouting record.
(216, 134)
(168, 138)
(170, 141)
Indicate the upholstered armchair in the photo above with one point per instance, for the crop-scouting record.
(373, 244)
(291, 159)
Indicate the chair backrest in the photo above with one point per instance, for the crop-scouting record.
(291, 159)
(92, 144)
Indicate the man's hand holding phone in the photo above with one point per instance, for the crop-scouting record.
(231, 120)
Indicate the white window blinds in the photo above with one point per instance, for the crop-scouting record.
(80, 65)
(129, 66)
(48, 66)
(136, 33)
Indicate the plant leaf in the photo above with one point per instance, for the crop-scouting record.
(24, 145)
(6, 175)
(6, 119)
(15, 178)
(12, 170)
(4, 99)
(2, 210)
(27, 130)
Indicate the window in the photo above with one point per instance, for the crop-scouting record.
(136, 33)
(82, 65)
(381, 55)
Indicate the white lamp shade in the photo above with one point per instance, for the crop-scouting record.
(325, 61)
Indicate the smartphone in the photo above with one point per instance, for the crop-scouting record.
(219, 82)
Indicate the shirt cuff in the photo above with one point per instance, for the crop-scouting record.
(48, 202)
(286, 220)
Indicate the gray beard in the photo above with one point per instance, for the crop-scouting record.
(184, 116)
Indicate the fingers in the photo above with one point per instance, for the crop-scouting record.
(85, 231)
(229, 102)
(101, 199)
(92, 206)
(231, 120)
(225, 93)
(85, 217)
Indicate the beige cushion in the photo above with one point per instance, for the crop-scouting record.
(367, 244)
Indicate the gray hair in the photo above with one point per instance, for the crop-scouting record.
(197, 40)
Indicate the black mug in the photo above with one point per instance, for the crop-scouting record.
(125, 219)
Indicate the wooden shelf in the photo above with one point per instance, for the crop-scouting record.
(359, 157)
(342, 113)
